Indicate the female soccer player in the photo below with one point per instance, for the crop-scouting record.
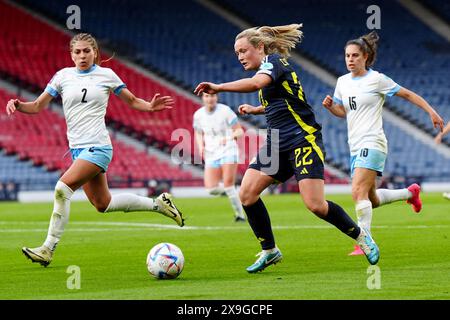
(438, 140)
(359, 96)
(216, 130)
(294, 140)
(85, 90)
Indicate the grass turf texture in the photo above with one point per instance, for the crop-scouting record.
(111, 250)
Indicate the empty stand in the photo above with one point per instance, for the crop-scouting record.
(40, 142)
(201, 49)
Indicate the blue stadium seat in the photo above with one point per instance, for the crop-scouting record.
(29, 177)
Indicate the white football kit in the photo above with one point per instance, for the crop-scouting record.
(363, 99)
(215, 126)
(85, 97)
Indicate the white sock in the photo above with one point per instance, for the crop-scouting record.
(216, 191)
(131, 202)
(364, 214)
(235, 202)
(273, 250)
(387, 196)
(60, 215)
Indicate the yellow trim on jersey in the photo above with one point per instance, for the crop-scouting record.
(311, 138)
(287, 87)
(300, 88)
(299, 120)
(294, 77)
(284, 62)
(264, 103)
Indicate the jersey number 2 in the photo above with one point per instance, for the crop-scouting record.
(83, 100)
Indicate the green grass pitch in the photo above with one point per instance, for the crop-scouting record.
(111, 249)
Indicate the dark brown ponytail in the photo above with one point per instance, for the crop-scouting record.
(368, 44)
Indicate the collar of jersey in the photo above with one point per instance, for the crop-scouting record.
(358, 78)
(88, 70)
(211, 112)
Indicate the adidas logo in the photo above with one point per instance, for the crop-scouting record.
(304, 171)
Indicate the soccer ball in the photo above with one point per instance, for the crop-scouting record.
(165, 261)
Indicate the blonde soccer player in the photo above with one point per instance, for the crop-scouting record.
(359, 97)
(294, 141)
(216, 129)
(85, 90)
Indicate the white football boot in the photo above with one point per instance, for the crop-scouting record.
(167, 207)
(42, 255)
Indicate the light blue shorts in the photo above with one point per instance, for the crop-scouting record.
(101, 156)
(221, 161)
(370, 159)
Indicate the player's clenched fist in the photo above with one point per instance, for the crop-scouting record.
(246, 109)
(327, 102)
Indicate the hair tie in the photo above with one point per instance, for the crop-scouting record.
(367, 43)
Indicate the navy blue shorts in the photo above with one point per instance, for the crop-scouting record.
(306, 161)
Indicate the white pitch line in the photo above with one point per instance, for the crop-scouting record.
(79, 230)
(134, 226)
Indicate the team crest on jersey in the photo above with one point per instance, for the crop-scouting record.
(266, 66)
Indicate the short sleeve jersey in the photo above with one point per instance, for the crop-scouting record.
(363, 99)
(286, 108)
(85, 97)
(216, 126)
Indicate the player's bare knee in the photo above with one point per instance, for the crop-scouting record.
(354, 194)
(243, 196)
(101, 206)
(247, 197)
(358, 193)
(318, 208)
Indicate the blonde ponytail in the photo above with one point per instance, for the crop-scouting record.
(278, 39)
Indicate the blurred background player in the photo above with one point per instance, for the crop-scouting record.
(298, 148)
(359, 96)
(438, 140)
(216, 129)
(85, 91)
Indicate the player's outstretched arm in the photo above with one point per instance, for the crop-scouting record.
(157, 103)
(336, 109)
(35, 106)
(414, 98)
(440, 135)
(255, 83)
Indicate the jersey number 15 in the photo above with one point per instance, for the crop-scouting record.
(352, 103)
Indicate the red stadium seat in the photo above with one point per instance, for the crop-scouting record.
(41, 138)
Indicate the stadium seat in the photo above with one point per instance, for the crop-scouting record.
(39, 142)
